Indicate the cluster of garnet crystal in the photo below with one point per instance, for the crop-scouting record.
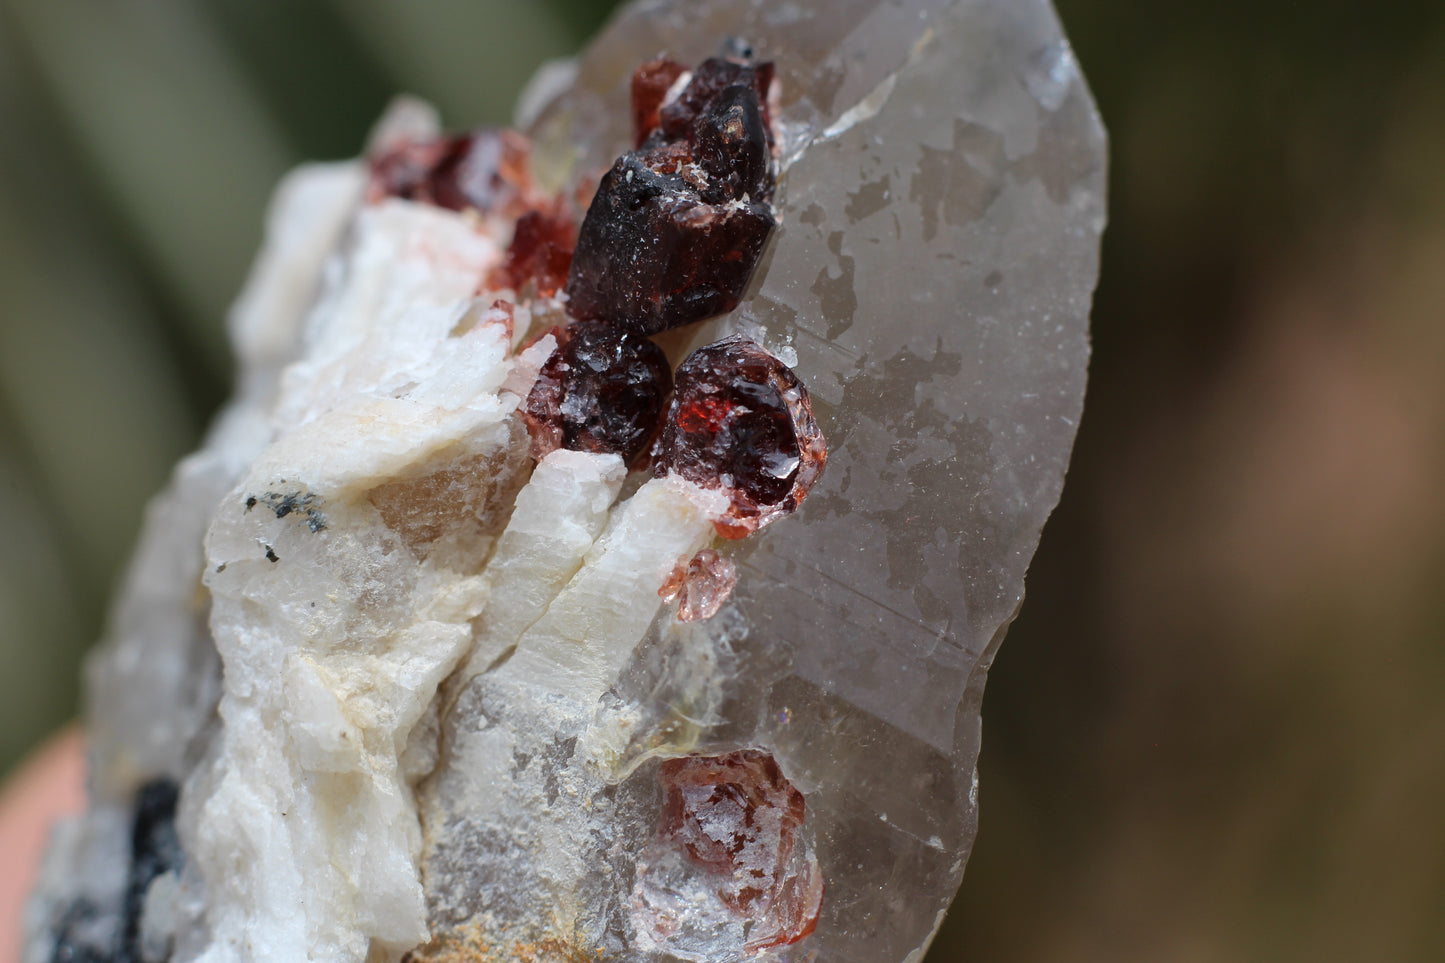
(486, 172)
(671, 237)
(483, 170)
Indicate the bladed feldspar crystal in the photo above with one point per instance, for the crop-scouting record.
(693, 677)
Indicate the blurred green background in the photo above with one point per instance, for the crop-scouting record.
(1217, 732)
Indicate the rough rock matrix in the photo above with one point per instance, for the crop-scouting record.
(605, 547)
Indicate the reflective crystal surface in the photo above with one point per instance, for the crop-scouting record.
(457, 720)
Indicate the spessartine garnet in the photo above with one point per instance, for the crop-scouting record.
(700, 585)
(677, 226)
(650, 84)
(484, 170)
(540, 252)
(740, 420)
(712, 77)
(602, 390)
(739, 821)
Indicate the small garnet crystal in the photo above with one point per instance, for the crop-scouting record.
(712, 77)
(700, 585)
(650, 84)
(677, 226)
(741, 420)
(485, 170)
(602, 390)
(738, 820)
(540, 252)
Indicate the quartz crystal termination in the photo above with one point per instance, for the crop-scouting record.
(524, 719)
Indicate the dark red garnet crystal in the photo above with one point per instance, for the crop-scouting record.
(602, 390)
(650, 84)
(540, 252)
(712, 77)
(485, 170)
(740, 420)
(677, 226)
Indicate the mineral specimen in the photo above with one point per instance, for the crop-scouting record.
(392, 679)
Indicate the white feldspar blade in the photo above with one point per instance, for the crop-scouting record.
(589, 631)
(558, 515)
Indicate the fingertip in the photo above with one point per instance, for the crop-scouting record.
(47, 786)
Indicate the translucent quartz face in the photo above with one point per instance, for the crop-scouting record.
(604, 551)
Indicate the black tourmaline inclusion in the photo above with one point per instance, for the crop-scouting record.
(602, 390)
(85, 934)
(741, 420)
(677, 226)
(155, 849)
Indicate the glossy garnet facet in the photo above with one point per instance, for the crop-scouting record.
(602, 390)
(741, 420)
(653, 255)
(676, 227)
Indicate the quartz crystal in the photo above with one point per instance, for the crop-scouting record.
(393, 677)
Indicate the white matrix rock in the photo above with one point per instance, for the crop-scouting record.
(382, 685)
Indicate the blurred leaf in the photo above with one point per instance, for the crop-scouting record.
(469, 57)
(172, 132)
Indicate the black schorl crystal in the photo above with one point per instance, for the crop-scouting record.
(85, 934)
(155, 849)
(602, 390)
(676, 227)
